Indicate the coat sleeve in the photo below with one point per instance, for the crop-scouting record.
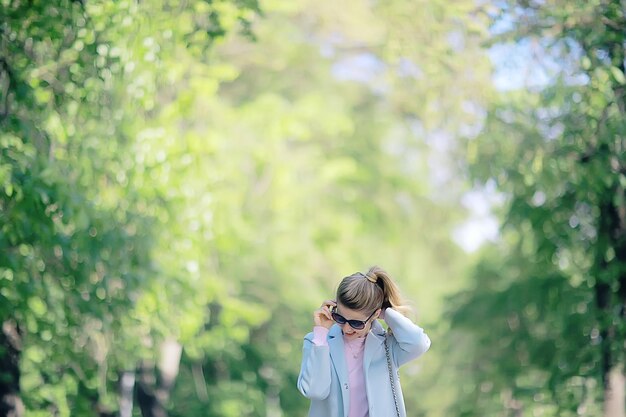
(314, 378)
(408, 340)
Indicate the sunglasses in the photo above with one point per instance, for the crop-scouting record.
(355, 324)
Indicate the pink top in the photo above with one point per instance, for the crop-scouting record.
(354, 351)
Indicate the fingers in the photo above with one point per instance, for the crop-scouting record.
(323, 316)
(326, 312)
(326, 307)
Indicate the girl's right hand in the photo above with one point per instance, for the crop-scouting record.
(322, 316)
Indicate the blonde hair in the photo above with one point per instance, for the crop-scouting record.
(370, 291)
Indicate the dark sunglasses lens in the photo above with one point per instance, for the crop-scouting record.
(356, 324)
(338, 318)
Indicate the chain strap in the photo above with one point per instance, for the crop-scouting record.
(393, 385)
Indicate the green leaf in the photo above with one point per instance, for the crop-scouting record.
(618, 75)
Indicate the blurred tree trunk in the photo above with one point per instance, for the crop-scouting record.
(147, 396)
(152, 392)
(614, 404)
(613, 227)
(612, 236)
(127, 387)
(10, 347)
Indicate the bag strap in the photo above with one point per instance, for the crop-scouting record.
(393, 385)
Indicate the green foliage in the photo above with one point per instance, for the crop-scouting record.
(164, 177)
(553, 290)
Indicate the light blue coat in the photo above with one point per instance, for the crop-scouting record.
(324, 377)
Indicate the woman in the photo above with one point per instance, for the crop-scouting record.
(348, 359)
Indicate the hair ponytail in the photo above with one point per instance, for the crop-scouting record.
(391, 293)
(371, 290)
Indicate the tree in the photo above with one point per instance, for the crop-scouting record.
(555, 290)
(76, 240)
(213, 189)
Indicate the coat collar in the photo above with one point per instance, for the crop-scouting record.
(373, 342)
(337, 355)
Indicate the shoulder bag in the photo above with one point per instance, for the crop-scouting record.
(393, 385)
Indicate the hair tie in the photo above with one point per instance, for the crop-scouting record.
(371, 279)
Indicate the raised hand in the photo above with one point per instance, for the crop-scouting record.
(322, 316)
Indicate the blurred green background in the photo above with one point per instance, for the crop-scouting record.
(183, 182)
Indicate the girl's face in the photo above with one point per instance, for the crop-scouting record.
(343, 316)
